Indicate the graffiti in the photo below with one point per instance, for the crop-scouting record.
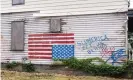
(89, 42)
(94, 44)
(116, 55)
(107, 51)
(97, 46)
(56, 47)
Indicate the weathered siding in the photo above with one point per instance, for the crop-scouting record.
(67, 7)
(32, 26)
(83, 27)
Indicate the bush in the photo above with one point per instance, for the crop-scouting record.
(102, 69)
(128, 66)
(12, 65)
(28, 67)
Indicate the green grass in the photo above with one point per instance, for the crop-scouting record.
(14, 75)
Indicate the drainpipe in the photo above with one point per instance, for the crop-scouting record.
(126, 29)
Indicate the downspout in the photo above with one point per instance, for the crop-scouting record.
(126, 29)
(125, 26)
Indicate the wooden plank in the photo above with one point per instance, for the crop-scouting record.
(55, 25)
(17, 35)
(17, 2)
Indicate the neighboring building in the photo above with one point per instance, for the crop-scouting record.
(130, 16)
(43, 30)
(130, 30)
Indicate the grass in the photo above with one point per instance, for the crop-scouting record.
(14, 75)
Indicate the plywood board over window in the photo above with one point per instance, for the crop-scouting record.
(18, 2)
(17, 35)
(55, 25)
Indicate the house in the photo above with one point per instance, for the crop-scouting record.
(43, 30)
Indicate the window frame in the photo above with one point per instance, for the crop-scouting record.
(19, 3)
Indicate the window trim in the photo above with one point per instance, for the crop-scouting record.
(18, 4)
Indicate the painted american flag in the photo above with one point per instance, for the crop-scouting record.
(51, 46)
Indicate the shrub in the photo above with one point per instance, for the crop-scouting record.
(128, 67)
(102, 69)
(12, 65)
(28, 67)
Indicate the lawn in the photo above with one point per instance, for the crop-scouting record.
(13, 75)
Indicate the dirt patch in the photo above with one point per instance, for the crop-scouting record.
(14, 75)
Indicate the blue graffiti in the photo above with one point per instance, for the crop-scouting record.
(99, 46)
(91, 40)
(88, 42)
(116, 55)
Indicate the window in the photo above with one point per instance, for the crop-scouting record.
(55, 25)
(17, 36)
(17, 2)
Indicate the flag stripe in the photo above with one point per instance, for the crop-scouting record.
(57, 34)
(40, 45)
(39, 57)
(39, 49)
(36, 53)
(52, 42)
(59, 38)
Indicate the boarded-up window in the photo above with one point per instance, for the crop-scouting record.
(17, 35)
(55, 25)
(17, 2)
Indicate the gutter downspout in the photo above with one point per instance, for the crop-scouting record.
(126, 29)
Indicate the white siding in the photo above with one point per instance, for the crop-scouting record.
(32, 26)
(82, 26)
(96, 25)
(67, 7)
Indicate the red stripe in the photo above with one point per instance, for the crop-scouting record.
(39, 57)
(54, 34)
(52, 42)
(63, 42)
(44, 42)
(39, 45)
(36, 53)
(40, 49)
(61, 38)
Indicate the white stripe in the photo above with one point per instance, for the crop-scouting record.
(39, 47)
(53, 44)
(49, 36)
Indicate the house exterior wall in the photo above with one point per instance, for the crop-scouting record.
(66, 7)
(107, 29)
